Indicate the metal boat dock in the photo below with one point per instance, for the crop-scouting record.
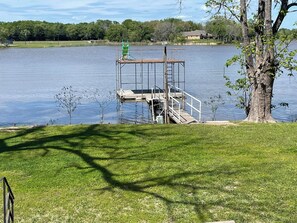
(138, 80)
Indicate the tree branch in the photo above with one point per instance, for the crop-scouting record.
(282, 14)
(292, 5)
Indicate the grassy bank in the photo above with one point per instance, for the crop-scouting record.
(47, 44)
(152, 173)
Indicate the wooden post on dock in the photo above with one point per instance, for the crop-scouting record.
(166, 96)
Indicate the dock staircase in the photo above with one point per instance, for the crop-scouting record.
(8, 201)
(170, 72)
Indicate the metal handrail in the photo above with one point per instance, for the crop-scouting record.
(191, 104)
(154, 92)
(8, 201)
(171, 108)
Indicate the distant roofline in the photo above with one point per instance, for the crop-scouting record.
(196, 33)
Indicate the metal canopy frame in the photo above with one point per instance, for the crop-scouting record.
(148, 74)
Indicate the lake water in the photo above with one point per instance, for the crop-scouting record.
(30, 78)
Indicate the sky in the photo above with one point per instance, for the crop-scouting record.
(76, 11)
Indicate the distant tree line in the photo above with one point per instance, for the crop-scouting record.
(129, 30)
(134, 31)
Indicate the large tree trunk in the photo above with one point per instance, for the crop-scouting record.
(261, 70)
(260, 107)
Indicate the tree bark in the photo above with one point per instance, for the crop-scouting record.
(262, 73)
(261, 97)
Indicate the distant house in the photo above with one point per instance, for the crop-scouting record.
(197, 34)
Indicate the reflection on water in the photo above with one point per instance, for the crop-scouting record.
(30, 78)
(134, 113)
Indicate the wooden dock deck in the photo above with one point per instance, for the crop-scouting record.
(130, 95)
(146, 61)
(143, 95)
(184, 118)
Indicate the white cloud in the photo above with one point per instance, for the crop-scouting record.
(91, 10)
(183, 17)
(51, 4)
(87, 9)
(204, 8)
(79, 18)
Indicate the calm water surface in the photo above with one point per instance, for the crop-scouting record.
(30, 78)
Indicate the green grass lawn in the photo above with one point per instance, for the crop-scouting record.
(206, 41)
(152, 173)
(46, 44)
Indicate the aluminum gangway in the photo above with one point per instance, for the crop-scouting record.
(183, 108)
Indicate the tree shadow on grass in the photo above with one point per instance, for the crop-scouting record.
(125, 144)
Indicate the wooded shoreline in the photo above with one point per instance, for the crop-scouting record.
(48, 44)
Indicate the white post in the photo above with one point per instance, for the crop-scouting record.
(165, 87)
(191, 106)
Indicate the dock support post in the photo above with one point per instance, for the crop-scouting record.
(166, 107)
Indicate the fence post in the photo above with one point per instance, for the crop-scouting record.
(4, 200)
(8, 200)
(179, 113)
(191, 106)
(200, 112)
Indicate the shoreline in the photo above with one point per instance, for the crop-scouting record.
(81, 43)
(90, 43)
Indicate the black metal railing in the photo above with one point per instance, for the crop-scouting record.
(8, 201)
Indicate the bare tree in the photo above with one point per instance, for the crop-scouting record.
(165, 31)
(68, 100)
(214, 102)
(101, 99)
